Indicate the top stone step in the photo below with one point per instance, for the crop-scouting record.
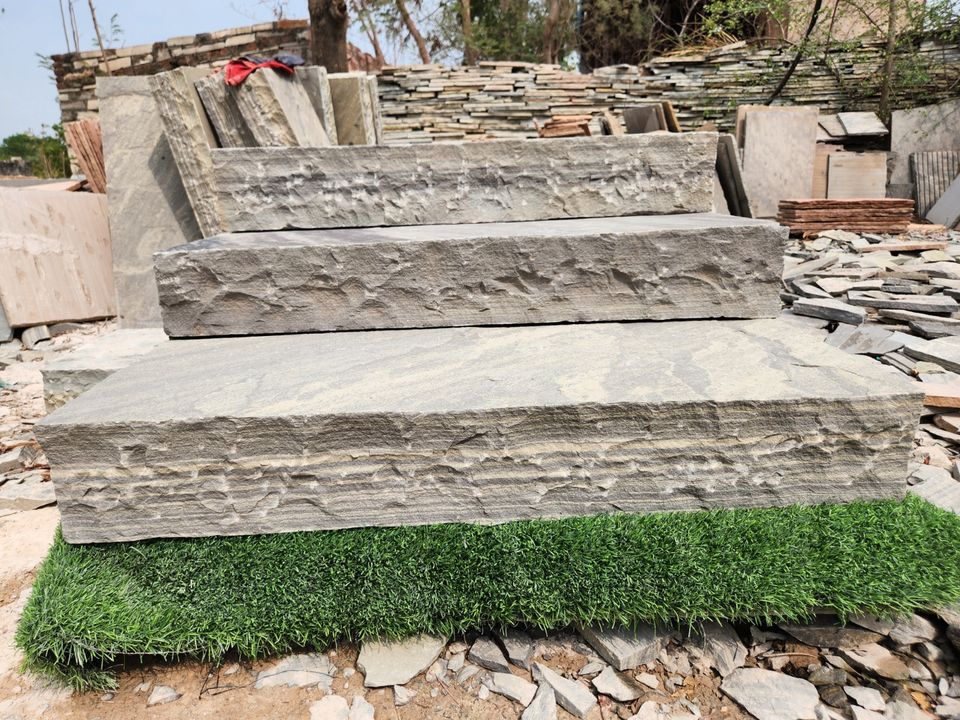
(270, 188)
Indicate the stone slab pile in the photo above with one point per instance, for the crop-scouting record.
(893, 299)
(494, 370)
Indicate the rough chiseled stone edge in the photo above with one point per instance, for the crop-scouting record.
(357, 186)
(207, 291)
(220, 102)
(315, 82)
(233, 476)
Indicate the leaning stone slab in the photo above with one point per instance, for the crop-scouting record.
(147, 205)
(625, 648)
(464, 182)
(397, 662)
(664, 267)
(372, 89)
(233, 436)
(352, 109)
(317, 84)
(220, 102)
(278, 111)
(191, 140)
(75, 372)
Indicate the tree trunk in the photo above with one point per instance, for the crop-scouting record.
(469, 52)
(550, 31)
(414, 32)
(887, 79)
(328, 34)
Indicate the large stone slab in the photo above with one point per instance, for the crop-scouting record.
(73, 373)
(233, 436)
(661, 267)
(147, 206)
(465, 182)
(933, 127)
(779, 147)
(220, 102)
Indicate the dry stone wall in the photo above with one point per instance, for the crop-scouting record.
(422, 103)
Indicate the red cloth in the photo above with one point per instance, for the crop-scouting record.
(240, 69)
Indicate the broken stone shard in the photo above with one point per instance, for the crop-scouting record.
(619, 687)
(572, 696)
(264, 434)
(306, 670)
(463, 182)
(543, 706)
(630, 268)
(829, 309)
(511, 686)
(769, 695)
(397, 662)
(487, 653)
(519, 647)
(625, 648)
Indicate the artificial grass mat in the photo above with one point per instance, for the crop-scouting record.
(93, 605)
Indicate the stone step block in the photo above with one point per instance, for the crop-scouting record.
(272, 188)
(232, 436)
(664, 267)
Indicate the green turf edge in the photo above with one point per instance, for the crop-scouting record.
(256, 595)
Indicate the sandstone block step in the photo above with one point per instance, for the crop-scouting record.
(230, 436)
(665, 267)
(270, 188)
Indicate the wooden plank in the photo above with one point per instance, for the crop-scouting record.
(55, 261)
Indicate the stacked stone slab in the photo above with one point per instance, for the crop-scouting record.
(550, 401)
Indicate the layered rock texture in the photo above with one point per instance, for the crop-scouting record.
(273, 434)
(628, 268)
(499, 181)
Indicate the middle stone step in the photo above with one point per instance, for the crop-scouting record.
(665, 267)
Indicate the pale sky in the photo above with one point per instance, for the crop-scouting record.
(28, 99)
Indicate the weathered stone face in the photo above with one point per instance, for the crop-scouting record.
(147, 205)
(630, 268)
(304, 432)
(497, 181)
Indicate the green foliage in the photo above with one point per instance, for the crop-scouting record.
(46, 153)
(614, 32)
(94, 605)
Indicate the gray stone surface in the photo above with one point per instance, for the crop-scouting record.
(278, 111)
(946, 210)
(315, 81)
(464, 182)
(220, 102)
(943, 351)
(6, 332)
(662, 267)
(519, 647)
(375, 114)
(73, 373)
(161, 695)
(625, 648)
(147, 206)
(191, 140)
(302, 432)
(769, 695)
(397, 662)
(933, 127)
(351, 106)
(572, 696)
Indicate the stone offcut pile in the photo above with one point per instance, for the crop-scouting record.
(415, 420)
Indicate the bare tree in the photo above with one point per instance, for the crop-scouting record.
(888, 61)
(328, 33)
(414, 31)
(369, 25)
